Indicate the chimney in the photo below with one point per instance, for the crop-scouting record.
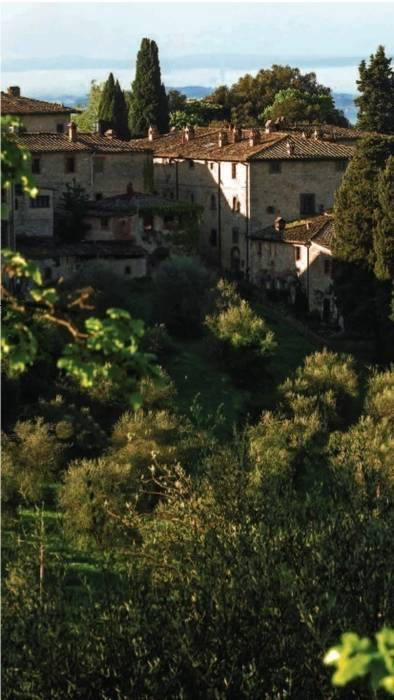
(235, 134)
(279, 224)
(223, 138)
(130, 190)
(100, 127)
(72, 132)
(152, 133)
(254, 137)
(14, 91)
(110, 134)
(269, 126)
(189, 133)
(316, 134)
(290, 148)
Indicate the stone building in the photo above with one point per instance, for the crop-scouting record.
(290, 257)
(35, 115)
(244, 178)
(102, 164)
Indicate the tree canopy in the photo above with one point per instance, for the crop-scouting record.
(149, 105)
(376, 102)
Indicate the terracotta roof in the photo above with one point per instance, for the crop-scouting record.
(47, 142)
(318, 229)
(46, 247)
(272, 146)
(11, 104)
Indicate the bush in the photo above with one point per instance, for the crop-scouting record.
(243, 338)
(183, 295)
(31, 458)
(327, 382)
(109, 290)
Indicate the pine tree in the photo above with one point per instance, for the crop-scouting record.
(376, 103)
(149, 104)
(106, 111)
(121, 114)
(384, 223)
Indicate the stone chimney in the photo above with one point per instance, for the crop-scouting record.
(235, 134)
(279, 224)
(290, 148)
(317, 134)
(189, 133)
(72, 132)
(14, 91)
(152, 133)
(110, 134)
(130, 190)
(254, 137)
(223, 138)
(269, 126)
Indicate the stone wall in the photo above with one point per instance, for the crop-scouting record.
(281, 191)
(45, 122)
(30, 220)
(53, 268)
(118, 170)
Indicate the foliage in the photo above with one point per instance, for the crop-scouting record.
(357, 657)
(183, 294)
(149, 105)
(243, 338)
(179, 120)
(244, 101)
(297, 105)
(176, 101)
(376, 102)
(87, 121)
(70, 224)
(363, 242)
(113, 110)
(31, 457)
(15, 161)
(105, 286)
(195, 112)
(106, 348)
(327, 383)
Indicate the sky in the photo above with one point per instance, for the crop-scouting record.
(191, 35)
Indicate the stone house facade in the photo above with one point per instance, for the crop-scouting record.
(297, 256)
(244, 178)
(35, 115)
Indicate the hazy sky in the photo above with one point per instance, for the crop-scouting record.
(114, 30)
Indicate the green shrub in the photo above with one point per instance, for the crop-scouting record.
(31, 455)
(108, 289)
(183, 295)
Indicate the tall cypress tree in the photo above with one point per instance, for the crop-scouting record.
(384, 223)
(121, 113)
(106, 111)
(149, 104)
(376, 103)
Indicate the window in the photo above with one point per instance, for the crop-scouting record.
(213, 202)
(340, 166)
(213, 238)
(98, 196)
(270, 210)
(127, 270)
(60, 128)
(275, 167)
(233, 170)
(327, 267)
(191, 163)
(70, 165)
(98, 165)
(36, 166)
(297, 252)
(235, 236)
(307, 204)
(42, 201)
(104, 221)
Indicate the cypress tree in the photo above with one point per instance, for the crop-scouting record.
(384, 223)
(376, 103)
(121, 113)
(106, 111)
(149, 104)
